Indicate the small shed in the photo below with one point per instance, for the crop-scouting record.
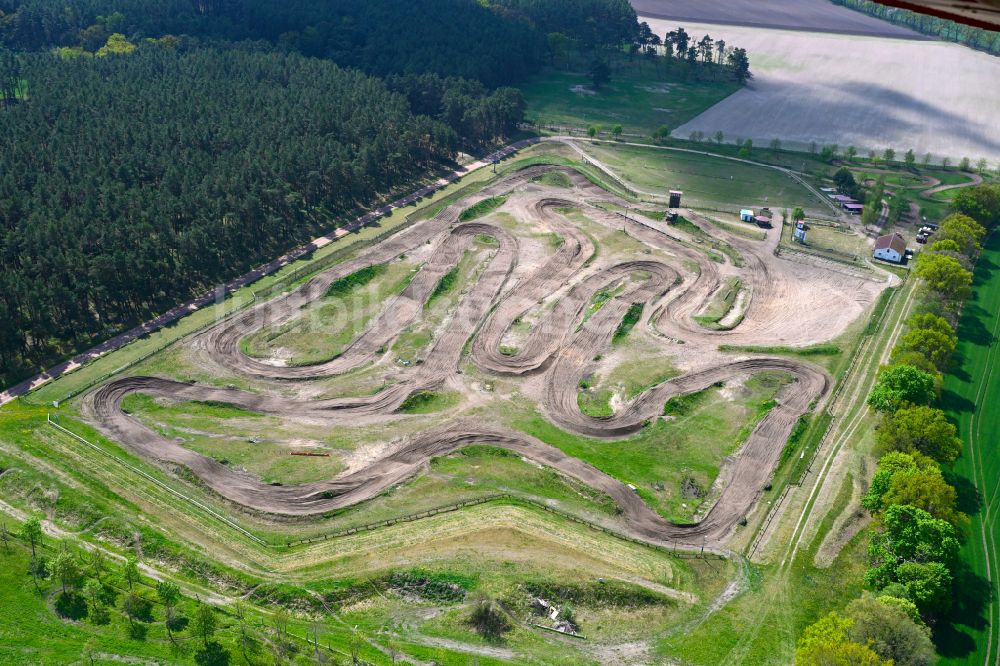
(763, 221)
(891, 247)
(854, 208)
(675, 198)
(746, 215)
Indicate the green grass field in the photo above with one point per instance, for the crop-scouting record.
(325, 327)
(638, 98)
(971, 394)
(835, 242)
(708, 182)
(689, 447)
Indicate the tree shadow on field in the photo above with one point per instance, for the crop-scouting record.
(968, 499)
(932, 115)
(956, 367)
(971, 595)
(984, 270)
(971, 327)
(956, 404)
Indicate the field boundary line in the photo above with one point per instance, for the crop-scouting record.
(157, 482)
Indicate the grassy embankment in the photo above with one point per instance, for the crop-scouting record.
(507, 544)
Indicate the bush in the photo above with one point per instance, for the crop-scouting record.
(489, 621)
(212, 654)
(71, 605)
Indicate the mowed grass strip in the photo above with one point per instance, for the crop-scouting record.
(970, 395)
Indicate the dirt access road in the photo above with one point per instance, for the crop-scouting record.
(558, 350)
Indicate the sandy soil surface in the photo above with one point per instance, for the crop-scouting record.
(788, 302)
(811, 15)
(869, 92)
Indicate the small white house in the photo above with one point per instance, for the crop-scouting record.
(746, 215)
(891, 247)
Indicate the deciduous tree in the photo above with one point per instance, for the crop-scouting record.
(925, 490)
(909, 535)
(599, 73)
(93, 592)
(928, 585)
(899, 384)
(31, 531)
(116, 45)
(944, 275)
(981, 203)
(936, 345)
(65, 568)
(130, 572)
(965, 231)
(204, 623)
(920, 429)
(890, 632)
(169, 594)
(826, 643)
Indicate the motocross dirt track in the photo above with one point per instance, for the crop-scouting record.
(788, 302)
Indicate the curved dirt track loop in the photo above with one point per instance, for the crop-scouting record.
(560, 347)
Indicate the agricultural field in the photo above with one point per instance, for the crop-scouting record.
(969, 393)
(869, 92)
(805, 15)
(521, 394)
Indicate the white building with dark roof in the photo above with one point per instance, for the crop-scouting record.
(891, 247)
